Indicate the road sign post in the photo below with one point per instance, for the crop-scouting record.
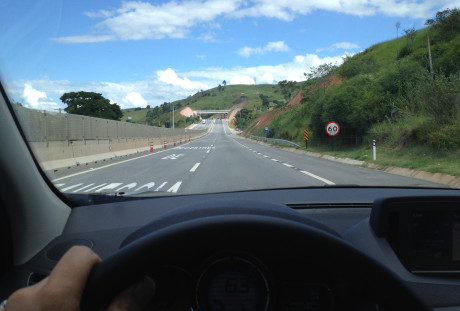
(332, 129)
(306, 137)
(266, 132)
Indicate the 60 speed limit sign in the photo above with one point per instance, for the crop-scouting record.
(332, 128)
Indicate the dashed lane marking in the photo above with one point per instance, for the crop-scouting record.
(193, 169)
(327, 181)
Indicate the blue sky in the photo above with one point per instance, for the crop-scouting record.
(139, 53)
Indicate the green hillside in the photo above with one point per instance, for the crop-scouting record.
(388, 93)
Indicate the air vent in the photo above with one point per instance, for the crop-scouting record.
(35, 277)
(328, 205)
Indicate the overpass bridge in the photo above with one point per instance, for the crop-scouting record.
(210, 111)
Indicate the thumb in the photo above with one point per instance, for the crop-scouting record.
(135, 297)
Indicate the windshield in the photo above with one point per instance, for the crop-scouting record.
(148, 98)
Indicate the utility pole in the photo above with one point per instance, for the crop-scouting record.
(429, 53)
(173, 116)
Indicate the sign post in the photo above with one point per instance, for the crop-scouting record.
(305, 137)
(332, 129)
(266, 132)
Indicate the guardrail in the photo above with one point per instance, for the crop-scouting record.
(274, 140)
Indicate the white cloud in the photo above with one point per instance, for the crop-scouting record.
(37, 99)
(345, 46)
(135, 99)
(85, 39)
(293, 71)
(242, 80)
(278, 46)
(289, 9)
(136, 20)
(339, 46)
(168, 76)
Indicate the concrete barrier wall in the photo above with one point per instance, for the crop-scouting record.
(55, 155)
(65, 140)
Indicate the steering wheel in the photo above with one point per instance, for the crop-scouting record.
(273, 229)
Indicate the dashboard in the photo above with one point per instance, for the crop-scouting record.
(250, 251)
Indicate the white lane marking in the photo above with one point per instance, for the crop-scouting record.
(58, 185)
(161, 186)
(71, 187)
(110, 186)
(208, 151)
(128, 186)
(274, 160)
(148, 186)
(193, 169)
(173, 156)
(175, 188)
(80, 189)
(102, 185)
(266, 156)
(318, 177)
(288, 165)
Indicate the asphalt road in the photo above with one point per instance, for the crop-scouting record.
(218, 162)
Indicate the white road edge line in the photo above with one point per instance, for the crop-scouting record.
(193, 169)
(288, 165)
(319, 178)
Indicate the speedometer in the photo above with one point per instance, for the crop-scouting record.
(232, 283)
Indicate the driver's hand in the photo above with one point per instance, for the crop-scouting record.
(62, 290)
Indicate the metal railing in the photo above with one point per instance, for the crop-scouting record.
(274, 140)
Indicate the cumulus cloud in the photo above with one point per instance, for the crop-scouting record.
(288, 10)
(339, 46)
(168, 76)
(278, 46)
(136, 20)
(135, 99)
(37, 99)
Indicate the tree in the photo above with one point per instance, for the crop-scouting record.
(322, 72)
(398, 24)
(224, 83)
(265, 100)
(287, 88)
(91, 104)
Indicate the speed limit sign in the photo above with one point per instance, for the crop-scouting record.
(332, 128)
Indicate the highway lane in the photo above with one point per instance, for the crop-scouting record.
(221, 161)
